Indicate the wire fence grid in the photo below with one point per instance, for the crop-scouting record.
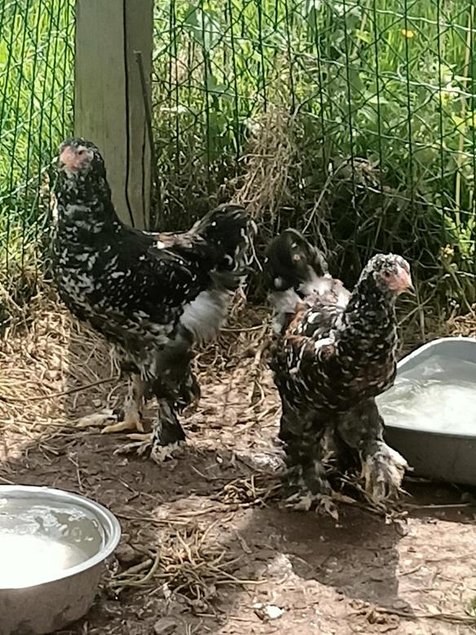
(36, 82)
(381, 97)
(360, 114)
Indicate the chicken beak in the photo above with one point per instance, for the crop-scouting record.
(406, 282)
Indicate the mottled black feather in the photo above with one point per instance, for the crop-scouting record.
(151, 295)
(335, 354)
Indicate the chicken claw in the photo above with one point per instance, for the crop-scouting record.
(383, 473)
(141, 443)
(117, 421)
(96, 419)
(131, 420)
(161, 453)
(305, 501)
(144, 444)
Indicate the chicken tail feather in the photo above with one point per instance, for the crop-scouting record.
(230, 231)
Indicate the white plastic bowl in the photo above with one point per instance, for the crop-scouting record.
(447, 455)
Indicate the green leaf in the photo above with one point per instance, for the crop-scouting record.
(203, 27)
(365, 36)
(375, 100)
(213, 86)
(355, 80)
(459, 122)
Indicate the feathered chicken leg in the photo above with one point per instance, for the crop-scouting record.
(176, 389)
(306, 480)
(383, 468)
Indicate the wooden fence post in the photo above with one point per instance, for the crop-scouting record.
(109, 97)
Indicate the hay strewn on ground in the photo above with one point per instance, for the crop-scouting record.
(205, 548)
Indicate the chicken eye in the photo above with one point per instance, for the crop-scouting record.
(81, 152)
(386, 274)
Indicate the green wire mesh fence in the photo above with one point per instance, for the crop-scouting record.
(36, 72)
(353, 120)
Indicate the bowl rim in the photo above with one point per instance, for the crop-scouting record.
(438, 340)
(108, 521)
(415, 353)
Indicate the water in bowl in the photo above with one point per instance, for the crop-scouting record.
(437, 394)
(38, 542)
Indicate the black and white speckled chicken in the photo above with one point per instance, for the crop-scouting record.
(152, 296)
(335, 352)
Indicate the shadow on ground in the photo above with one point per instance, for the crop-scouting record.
(303, 563)
(362, 575)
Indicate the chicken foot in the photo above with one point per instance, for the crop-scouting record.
(308, 488)
(383, 468)
(175, 389)
(165, 440)
(127, 418)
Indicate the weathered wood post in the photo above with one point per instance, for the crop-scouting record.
(110, 104)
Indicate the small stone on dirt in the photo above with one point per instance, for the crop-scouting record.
(400, 605)
(268, 611)
(126, 554)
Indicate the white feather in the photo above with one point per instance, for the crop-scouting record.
(316, 284)
(285, 302)
(206, 313)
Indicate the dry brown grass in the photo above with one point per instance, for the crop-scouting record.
(52, 369)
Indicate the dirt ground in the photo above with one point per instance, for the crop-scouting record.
(203, 550)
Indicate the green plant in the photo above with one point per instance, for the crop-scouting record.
(36, 71)
(383, 89)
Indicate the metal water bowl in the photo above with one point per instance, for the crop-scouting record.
(53, 546)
